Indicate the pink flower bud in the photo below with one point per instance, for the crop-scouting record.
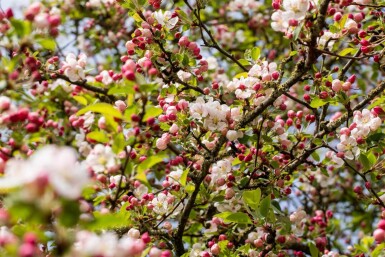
(379, 235)
(215, 249)
(174, 129)
(336, 85)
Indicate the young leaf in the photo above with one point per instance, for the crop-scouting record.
(98, 136)
(313, 250)
(252, 197)
(265, 206)
(255, 53)
(102, 108)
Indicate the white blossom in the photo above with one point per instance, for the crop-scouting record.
(102, 159)
(165, 19)
(57, 164)
(74, 68)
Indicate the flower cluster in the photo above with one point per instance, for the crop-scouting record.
(244, 6)
(43, 18)
(363, 123)
(109, 244)
(294, 11)
(73, 68)
(49, 167)
(102, 159)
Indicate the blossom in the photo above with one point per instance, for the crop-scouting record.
(280, 21)
(220, 170)
(263, 70)
(232, 205)
(243, 5)
(294, 10)
(165, 19)
(161, 143)
(107, 244)
(164, 204)
(102, 159)
(297, 8)
(140, 191)
(348, 145)
(74, 68)
(366, 120)
(233, 135)
(327, 40)
(83, 146)
(58, 165)
(175, 176)
(106, 78)
(184, 76)
(212, 63)
(212, 113)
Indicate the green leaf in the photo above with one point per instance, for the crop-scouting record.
(183, 178)
(121, 90)
(265, 206)
(147, 164)
(365, 161)
(242, 74)
(152, 111)
(80, 99)
(70, 215)
(237, 217)
(333, 28)
(98, 136)
(346, 51)
(255, 53)
(22, 28)
(184, 17)
(119, 143)
(189, 188)
(252, 197)
(150, 161)
(297, 31)
(244, 62)
(378, 250)
(317, 102)
(47, 43)
(376, 137)
(110, 220)
(102, 108)
(313, 250)
(315, 156)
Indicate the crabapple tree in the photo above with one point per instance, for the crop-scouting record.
(217, 128)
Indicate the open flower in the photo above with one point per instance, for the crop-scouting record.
(56, 165)
(102, 159)
(165, 19)
(348, 145)
(74, 68)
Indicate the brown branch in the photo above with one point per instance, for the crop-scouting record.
(84, 84)
(214, 43)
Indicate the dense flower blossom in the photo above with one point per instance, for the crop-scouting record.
(294, 10)
(244, 5)
(212, 113)
(166, 19)
(57, 165)
(202, 128)
(348, 145)
(102, 159)
(108, 244)
(74, 68)
(166, 204)
(363, 123)
(327, 40)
